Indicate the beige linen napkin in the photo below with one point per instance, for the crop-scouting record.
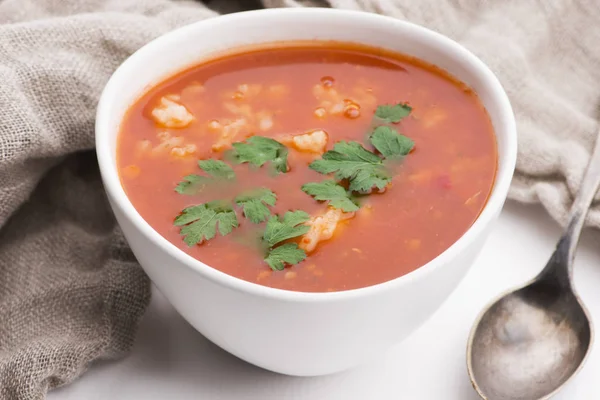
(70, 289)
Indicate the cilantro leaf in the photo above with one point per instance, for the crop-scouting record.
(255, 204)
(288, 253)
(217, 171)
(290, 226)
(199, 223)
(333, 192)
(390, 143)
(392, 113)
(192, 184)
(258, 150)
(350, 160)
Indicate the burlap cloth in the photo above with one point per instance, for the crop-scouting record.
(71, 292)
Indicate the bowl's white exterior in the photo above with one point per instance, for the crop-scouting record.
(290, 332)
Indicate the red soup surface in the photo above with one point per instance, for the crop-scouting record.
(309, 166)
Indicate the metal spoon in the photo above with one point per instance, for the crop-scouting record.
(529, 342)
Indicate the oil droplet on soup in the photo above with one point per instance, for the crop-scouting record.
(236, 162)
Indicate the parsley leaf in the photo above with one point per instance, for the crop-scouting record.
(350, 160)
(281, 229)
(257, 150)
(199, 223)
(392, 113)
(288, 253)
(217, 168)
(333, 192)
(255, 204)
(390, 143)
(192, 184)
(290, 226)
(218, 171)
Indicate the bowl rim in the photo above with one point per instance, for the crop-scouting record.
(116, 192)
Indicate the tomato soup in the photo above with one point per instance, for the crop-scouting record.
(309, 166)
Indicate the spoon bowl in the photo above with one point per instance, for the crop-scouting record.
(530, 341)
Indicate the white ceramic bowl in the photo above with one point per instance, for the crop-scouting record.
(291, 332)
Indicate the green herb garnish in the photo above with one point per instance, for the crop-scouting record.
(255, 204)
(281, 229)
(390, 143)
(199, 223)
(333, 192)
(350, 160)
(258, 150)
(352, 165)
(290, 226)
(392, 113)
(288, 253)
(217, 171)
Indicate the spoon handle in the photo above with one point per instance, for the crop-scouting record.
(561, 263)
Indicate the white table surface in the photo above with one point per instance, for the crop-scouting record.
(172, 361)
